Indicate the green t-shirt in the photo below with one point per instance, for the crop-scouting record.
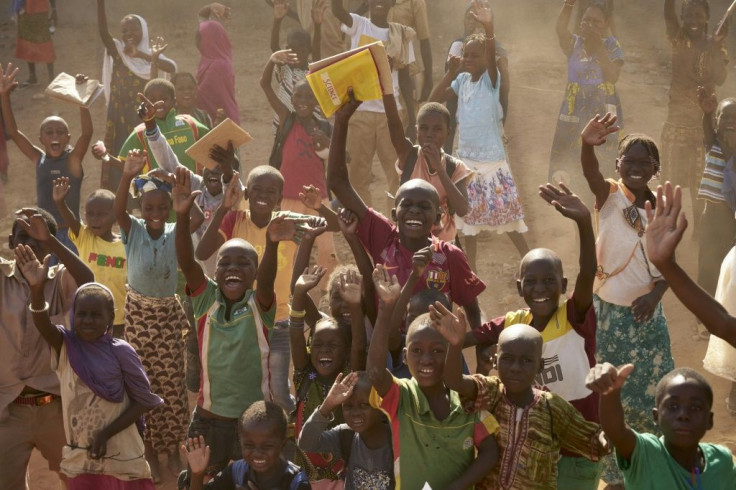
(652, 468)
(233, 353)
(180, 132)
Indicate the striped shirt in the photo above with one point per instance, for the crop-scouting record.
(711, 185)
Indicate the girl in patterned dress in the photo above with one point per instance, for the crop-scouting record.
(628, 287)
(493, 197)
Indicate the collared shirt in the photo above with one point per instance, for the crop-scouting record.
(234, 352)
(437, 452)
(26, 355)
(412, 13)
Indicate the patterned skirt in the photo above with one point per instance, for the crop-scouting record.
(682, 155)
(620, 340)
(154, 327)
(493, 200)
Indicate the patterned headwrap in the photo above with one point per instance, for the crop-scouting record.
(146, 183)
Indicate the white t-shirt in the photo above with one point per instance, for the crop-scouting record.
(362, 26)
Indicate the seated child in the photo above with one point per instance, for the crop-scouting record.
(101, 249)
(568, 330)
(56, 159)
(102, 382)
(428, 161)
(416, 213)
(262, 435)
(683, 412)
(535, 424)
(234, 326)
(434, 440)
(30, 407)
(363, 441)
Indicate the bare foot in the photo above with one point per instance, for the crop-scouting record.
(152, 458)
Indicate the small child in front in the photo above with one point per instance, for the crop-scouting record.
(535, 424)
(434, 440)
(677, 459)
(363, 441)
(101, 249)
(262, 434)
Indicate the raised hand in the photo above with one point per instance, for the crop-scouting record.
(598, 129)
(197, 454)
(61, 189)
(351, 287)
(284, 57)
(149, 110)
(225, 157)
(346, 111)
(233, 192)
(420, 260)
(311, 197)
(8, 83)
(341, 390)
(348, 221)
(33, 224)
(33, 271)
(280, 9)
(309, 278)
(134, 163)
(318, 11)
(606, 378)
(454, 63)
(312, 228)
(387, 285)
(568, 204)
(452, 327)
(482, 13)
(666, 224)
(158, 46)
(707, 100)
(99, 150)
(182, 195)
(283, 228)
(219, 12)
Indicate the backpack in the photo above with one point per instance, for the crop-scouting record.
(411, 160)
(277, 150)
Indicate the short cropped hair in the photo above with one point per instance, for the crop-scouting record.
(262, 170)
(264, 413)
(687, 373)
(434, 108)
(162, 84)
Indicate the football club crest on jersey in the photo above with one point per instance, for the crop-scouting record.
(436, 279)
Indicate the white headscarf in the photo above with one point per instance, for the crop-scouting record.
(140, 67)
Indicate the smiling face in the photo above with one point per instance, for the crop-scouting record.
(357, 410)
(694, 19)
(726, 123)
(683, 414)
(131, 30)
(378, 9)
(264, 193)
(155, 208)
(541, 282)
(425, 352)
(156, 94)
(636, 167)
(417, 209)
(474, 58)
(303, 100)
(93, 314)
(186, 92)
(99, 216)
(432, 128)
(213, 181)
(54, 136)
(329, 349)
(261, 445)
(519, 359)
(237, 264)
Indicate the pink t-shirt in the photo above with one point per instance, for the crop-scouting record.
(448, 271)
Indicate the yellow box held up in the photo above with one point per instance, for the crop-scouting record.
(365, 68)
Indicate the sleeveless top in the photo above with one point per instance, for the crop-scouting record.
(48, 169)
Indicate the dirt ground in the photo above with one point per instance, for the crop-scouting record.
(526, 27)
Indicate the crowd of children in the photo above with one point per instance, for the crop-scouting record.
(326, 375)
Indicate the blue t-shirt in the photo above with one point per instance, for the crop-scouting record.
(151, 263)
(48, 169)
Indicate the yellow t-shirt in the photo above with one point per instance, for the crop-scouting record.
(107, 261)
(237, 224)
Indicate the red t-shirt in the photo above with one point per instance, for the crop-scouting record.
(448, 271)
(300, 165)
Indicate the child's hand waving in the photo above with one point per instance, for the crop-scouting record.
(318, 11)
(158, 46)
(666, 224)
(606, 378)
(284, 57)
(197, 454)
(311, 197)
(8, 82)
(348, 221)
(346, 111)
(61, 189)
(233, 192)
(280, 9)
(181, 194)
(598, 129)
(351, 287)
(707, 100)
(134, 163)
(452, 327)
(309, 279)
(482, 13)
(312, 228)
(225, 158)
(568, 204)
(387, 286)
(34, 272)
(341, 390)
